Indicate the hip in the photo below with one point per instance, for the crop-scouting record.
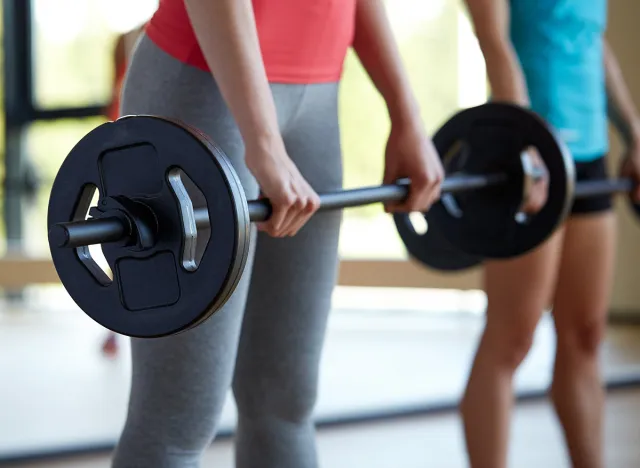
(158, 84)
(156, 81)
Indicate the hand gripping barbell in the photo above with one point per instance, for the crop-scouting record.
(173, 221)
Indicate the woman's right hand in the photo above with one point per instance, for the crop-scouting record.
(292, 199)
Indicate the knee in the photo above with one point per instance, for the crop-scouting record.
(289, 400)
(510, 343)
(583, 337)
(161, 438)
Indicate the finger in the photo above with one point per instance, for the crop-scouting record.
(435, 191)
(417, 190)
(533, 205)
(296, 217)
(279, 215)
(422, 202)
(311, 207)
(536, 199)
(429, 194)
(389, 177)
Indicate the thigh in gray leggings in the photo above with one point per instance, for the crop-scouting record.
(266, 342)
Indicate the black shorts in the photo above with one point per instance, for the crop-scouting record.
(591, 170)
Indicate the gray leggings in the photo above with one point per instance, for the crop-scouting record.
(266, 342)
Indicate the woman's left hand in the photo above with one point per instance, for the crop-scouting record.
(411, 154)
(631, 168)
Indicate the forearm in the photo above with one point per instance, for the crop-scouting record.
(491, 21)
(622, 111)
(505, 75)
(227, 35)
(378, 52)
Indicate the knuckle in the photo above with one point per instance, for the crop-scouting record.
(300, 203)
(270, 230)
(314, 203)
(423, 176)
(286, 198)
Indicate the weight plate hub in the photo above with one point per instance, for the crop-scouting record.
(488, 139)
(152, 294)
(431, 248)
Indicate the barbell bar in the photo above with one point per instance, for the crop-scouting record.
(594, 188)
(91, 231)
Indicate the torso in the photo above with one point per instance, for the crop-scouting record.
(302, 41)
(560, 46)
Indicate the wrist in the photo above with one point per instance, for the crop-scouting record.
(261, 137)
(260, 145)
(633, 139)
(404, 112)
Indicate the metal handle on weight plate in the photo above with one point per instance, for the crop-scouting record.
(103, 230)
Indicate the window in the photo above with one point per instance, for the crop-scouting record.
(46, 146)
(2, 133)
(73, 42)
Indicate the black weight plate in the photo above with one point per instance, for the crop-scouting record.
(152, 294)
(431, 248)
(483, 222)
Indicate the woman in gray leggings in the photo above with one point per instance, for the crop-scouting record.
(261, 79)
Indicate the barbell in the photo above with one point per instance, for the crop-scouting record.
(173, 221)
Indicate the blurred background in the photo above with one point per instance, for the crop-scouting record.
(400, 337)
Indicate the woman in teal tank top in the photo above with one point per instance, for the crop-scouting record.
(551, 56)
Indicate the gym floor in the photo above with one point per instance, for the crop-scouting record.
(386, 351)
(436, 441)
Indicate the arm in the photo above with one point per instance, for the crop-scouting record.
(409, 152)
(118, 64)
(227, 34)
(491, 20)
(622, 111)
(228, 37)
(378, 53)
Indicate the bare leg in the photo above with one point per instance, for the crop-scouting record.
(581, 304)
(518, 290)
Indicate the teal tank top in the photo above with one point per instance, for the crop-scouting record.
(560, 46)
